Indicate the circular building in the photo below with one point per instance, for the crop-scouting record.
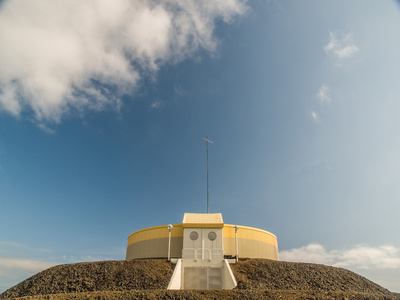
(202, 236)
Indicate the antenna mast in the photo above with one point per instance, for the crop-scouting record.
(208, 198)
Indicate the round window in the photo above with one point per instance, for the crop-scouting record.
(212, 235)
(194, 235)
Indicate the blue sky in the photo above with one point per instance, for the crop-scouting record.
(104, 107)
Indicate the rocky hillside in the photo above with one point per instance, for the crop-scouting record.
(148, 279)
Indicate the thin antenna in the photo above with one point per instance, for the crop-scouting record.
(208, 198)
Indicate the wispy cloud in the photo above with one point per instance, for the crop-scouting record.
(156, 104)
(362, 257)
(9, 267)
(315, 116)
(113, 254)
(11, 244)
(179, 92)
(13, 247)
(324, 97)
(324, 94)
(341, 47)
(66, 56)
(13, 270)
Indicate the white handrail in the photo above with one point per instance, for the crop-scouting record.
(195, 252)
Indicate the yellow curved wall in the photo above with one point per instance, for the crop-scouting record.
(152, 242)
(252, 242)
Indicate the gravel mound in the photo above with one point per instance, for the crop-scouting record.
(264, 274)
(148, 279)
(95, 276)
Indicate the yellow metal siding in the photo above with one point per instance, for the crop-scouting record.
(250, 249)
(156, 232)
(153, 242)
(155, 248)
(252, 242)
(248, 232)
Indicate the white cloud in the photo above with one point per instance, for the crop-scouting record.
(156, 104)
(11, 244)
(11, 267)
(315, 116)
(179, 92)
(341, 47)
(362, 257)
(114, 253)
(14, 270)
(324, 94)
(312, 253)
(13, 247)
(61, 56)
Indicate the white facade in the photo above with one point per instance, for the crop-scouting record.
(202, 265)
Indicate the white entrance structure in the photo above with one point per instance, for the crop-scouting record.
(202, 265)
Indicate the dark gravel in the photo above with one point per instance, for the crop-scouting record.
(148, 279)
(264, 274)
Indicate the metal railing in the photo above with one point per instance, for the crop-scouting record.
(202, 253)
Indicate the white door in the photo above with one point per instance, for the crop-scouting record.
(203, 243)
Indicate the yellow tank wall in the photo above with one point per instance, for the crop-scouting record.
(155, 232)
(252, 242)
(152, 242)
